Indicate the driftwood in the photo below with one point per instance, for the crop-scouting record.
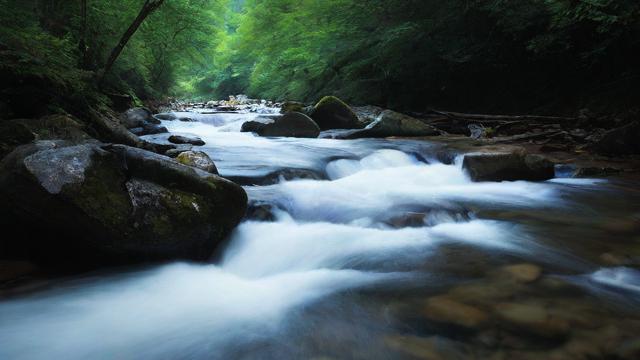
(502, 118)
(527, 136)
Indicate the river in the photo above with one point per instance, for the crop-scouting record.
(386, 250)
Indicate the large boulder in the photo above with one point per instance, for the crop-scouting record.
(508, 167)
(91, 204)
(624, 140)
(137, 117)
(391, 123)
(332, 113)
(197, 159)
(293, 124)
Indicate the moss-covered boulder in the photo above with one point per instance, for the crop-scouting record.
(197, 159)
(333, 113)
(90, 204)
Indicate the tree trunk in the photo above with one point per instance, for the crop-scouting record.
(148, 7)
(82, 46)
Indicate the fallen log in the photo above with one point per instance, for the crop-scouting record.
(502, 118)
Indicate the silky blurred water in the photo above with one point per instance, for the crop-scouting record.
(337, 249)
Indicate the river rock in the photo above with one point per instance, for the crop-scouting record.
(333, 113)
(252, 126)
(447, 310)
(137, 117)
(197, 159)
(532, 318)
(367, 114)
(524, 273)
(149, 129)
(193, 140)
(427, 348)
(293, 124)
(166, 116)
(261, 212)
(391, 123)
(176, 150)
(186, 119)
(91, 204)
(507, 167)
(620, 141)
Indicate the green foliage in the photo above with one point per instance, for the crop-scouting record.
(419, 53)
(42, 38)
(503, 55)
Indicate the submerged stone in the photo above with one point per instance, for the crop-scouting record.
(524, 273)
(447, 310)
(532, 318)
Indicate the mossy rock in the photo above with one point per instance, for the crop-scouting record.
(333, 113)
(92, 204)
(197, 159)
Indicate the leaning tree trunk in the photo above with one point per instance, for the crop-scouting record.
(148, 7)
(84, 62)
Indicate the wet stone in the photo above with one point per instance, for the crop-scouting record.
(193, 140)
(532, 318)
(428, 348)
(445, 309)
(524, 273)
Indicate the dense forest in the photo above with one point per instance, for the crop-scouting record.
(486, 55)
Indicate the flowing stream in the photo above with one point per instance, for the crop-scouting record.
(350, 255)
